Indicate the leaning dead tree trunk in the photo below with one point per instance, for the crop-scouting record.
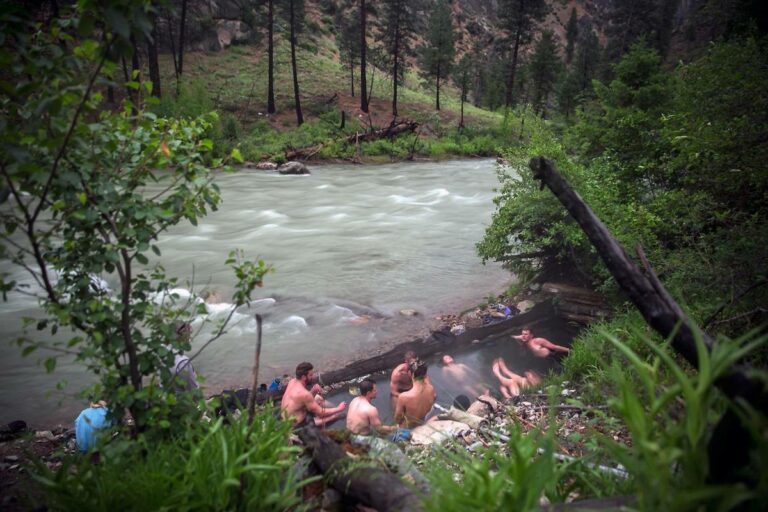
(373, 487)
(730, 444)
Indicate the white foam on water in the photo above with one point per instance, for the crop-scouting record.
(294, 323)
(339, 216)
(272, 214)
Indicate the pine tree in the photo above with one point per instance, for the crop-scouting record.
(519, 17)
(396, 19)
(632, 20)
(293, 11)
(348, 41)
(543, 70)
(577, 83)
(436, 56)
(462, 77)
(571, 34)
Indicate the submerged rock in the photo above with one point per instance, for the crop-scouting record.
(293, 168)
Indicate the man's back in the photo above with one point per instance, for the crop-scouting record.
(359, 416)
(294, 402)
(416, 403)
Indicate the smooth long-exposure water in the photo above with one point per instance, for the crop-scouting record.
(352, 246)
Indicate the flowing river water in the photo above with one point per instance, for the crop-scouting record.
(352, 246)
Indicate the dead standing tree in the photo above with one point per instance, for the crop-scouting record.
(730, 445)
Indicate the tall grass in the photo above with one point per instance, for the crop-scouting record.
(211, 467)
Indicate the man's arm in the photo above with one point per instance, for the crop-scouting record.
(551, 346)
(323, 412)
(375, 422)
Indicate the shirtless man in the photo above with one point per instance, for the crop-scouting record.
(540, 347)
(413, 405)
(301, 404)
(362, 416)
(401, 379)
(462, 376)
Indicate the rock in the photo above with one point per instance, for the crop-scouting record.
(267, 166)
(408, 312)
(231, 31)
(249, 165)
(11, 458)
(45, 434)
(525, 305)
(293, 168)
(458, 329)
(331, 499)
(535, 287)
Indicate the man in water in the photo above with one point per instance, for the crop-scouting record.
(540, 347)
(413, 405)
(401, 379)
(462, 376)
(303, 405)
(363, 416)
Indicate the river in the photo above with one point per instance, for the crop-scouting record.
(352, 246)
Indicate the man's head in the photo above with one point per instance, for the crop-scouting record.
(418, 369)
(410, 356)
(526, 334)
(447, 360)
(304, 372)
(368, 389)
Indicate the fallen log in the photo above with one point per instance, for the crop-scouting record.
(393, 130)
(730, 445)
(373, 487)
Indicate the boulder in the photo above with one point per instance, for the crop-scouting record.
(293, 168)
(525, 305)
(267, 166)
(231, 31)
(408, 312)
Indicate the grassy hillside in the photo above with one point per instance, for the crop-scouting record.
(233, 82)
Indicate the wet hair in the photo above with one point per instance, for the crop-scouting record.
(410, 355)
(366, 386)
(303, 369)
(418, 369)
(461, 402)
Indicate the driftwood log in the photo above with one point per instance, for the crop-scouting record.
(730, 446)
(373, 487)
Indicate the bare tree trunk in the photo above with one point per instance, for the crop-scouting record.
(154, 65)
(271, 58)
(463, 99)
(182, 36)
(363, 98)
(395, 69)
(172, 42)
(352, 76)
(296, 98)
(511, 83)
(437, 94)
